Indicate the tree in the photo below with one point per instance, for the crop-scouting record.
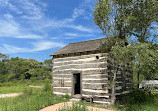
(126, 18)
(142, 58)
(23, 69)
(121, 19)
(48, 63)
(3, 57)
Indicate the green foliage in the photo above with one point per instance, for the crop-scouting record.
(66, 96)
(135, 97)
(112, 41)
(48, 64)
(30, 102)
(126, 18)
(23, 69)
(3, 57)
(137, 100)
(75, 107)
(139, 57)
(47, 86)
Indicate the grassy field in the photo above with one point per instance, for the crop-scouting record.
(29, 102)
(32, 100)
(35, 99)
(12, 89)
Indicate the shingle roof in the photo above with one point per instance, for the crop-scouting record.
(91, 45)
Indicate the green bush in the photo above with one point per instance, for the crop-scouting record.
(47, 85)
(137, 100)
(66, 96)
(135, 97)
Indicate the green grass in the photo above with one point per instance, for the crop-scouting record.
(27, 102)
(32, 100)
(84, 103)
(75, 107)
(137, 107)
(137, 101)
(12, 89)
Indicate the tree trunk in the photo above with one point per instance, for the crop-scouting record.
(138, 79)
(113, 96)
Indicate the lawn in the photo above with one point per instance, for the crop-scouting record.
(32, 100)
(12, 89)
(15, 87)
(29, 102)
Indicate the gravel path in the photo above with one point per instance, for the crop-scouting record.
(69, 104)
(10, 95)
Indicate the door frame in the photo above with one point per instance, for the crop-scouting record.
(72, 82)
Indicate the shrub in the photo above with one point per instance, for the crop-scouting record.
(66, 96)
(135, 97)
(47, 85)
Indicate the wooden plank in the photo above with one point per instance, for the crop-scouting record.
(62, 90)
(95, 86)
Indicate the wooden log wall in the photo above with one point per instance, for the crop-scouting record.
(124, 77)
(93, 68)
(96, 75)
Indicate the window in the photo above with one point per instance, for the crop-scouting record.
(97, 57)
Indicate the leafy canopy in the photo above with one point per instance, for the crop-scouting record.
(126, 18)
(142, 56)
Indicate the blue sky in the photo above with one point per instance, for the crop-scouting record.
(37, 28)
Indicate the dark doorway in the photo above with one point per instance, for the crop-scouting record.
(77, 83)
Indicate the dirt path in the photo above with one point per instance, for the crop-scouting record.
(69, 104)
(10, 95)
(36, 86)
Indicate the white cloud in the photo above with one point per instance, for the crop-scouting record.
(37, 25)
(83, 10)
(31, 10)
(27, 8)
(71, 34)
(80, 28)
(10, 6)
(29, 36)
(36, 21)
(8, 16)
(77, 12)
(36, 46)
(10, 28)
(54, 24)
(10, 49)
(44, 45)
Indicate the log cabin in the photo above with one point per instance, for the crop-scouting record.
(82, 70)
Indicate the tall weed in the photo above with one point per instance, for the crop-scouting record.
(75, 107)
